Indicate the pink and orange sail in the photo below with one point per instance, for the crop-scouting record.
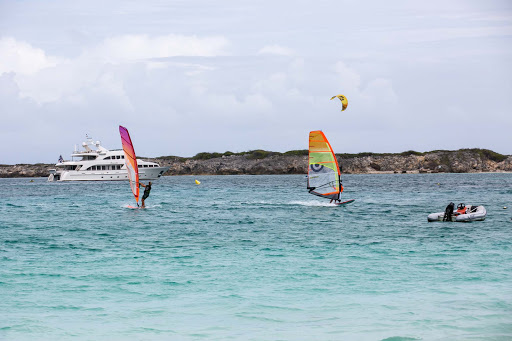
(131, 161)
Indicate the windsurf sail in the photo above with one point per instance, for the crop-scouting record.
(131, 162)
(323, 171)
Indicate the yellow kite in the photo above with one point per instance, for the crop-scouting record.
(343, 100)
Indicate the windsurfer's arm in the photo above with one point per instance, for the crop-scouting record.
(141, 184)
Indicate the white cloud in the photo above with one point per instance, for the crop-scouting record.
(417, 36)
(47, 79)
(22, 58)
(276, 50)
(139, 47)
(380, 91)
(349, 78)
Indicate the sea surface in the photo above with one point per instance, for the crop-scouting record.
(255, 258)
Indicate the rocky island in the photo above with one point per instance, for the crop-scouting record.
(295, 162)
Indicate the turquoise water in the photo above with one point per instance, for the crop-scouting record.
(255, 258)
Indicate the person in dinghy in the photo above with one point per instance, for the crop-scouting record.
(147, 189)
(463, 213)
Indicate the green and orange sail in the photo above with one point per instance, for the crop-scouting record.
(323, 171)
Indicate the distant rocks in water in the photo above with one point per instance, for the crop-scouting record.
(295, 162)
(25, 170)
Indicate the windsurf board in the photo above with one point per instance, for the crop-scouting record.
(345, 202)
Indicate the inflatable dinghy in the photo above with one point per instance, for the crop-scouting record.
(464, 213)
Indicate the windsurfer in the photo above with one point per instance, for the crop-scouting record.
(146, 192)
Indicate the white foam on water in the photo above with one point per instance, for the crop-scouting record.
(312, 203)
(262, 202)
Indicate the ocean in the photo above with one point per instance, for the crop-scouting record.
(255, 258)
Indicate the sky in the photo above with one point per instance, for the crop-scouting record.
(211, 76)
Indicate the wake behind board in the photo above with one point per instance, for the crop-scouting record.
(345, 202)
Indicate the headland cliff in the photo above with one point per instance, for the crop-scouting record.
(296, 162)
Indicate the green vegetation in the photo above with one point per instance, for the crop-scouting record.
(300, 152)
(172, 157)
(252, 154)
(487, 154)
(483, 153)
(206, 156)
(259, 154)
(263, 154)
(411, 152)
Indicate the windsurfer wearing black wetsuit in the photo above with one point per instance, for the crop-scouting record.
(146, 192)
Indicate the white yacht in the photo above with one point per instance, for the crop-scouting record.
(100, 164)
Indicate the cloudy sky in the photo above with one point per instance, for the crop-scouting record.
(191, 76)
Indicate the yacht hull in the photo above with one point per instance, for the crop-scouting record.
(111, 175)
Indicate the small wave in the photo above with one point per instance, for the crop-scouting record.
(154, 330)
(250, 316)
(13, 205)
(66, 307)
(173, 283)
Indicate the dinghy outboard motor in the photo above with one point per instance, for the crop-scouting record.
(448, 212)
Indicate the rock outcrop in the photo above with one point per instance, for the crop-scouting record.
(461, 161)
(25, 170)
(434, 162)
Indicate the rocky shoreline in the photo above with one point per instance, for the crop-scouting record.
(263, 162)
